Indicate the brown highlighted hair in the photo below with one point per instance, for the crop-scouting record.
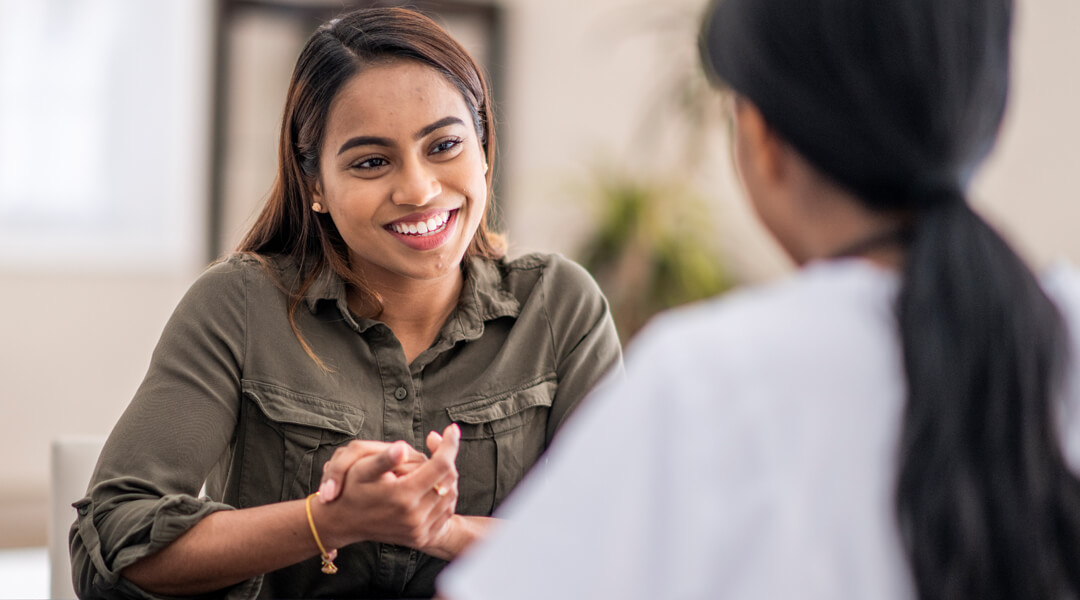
(336, 52)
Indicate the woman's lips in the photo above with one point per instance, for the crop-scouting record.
(425, 233)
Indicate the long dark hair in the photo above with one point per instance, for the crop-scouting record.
(336, 52)
(900, 101)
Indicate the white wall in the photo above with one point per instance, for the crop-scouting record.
(575, 95)
(76, 342)
(76, 345)
(1029, 187)
(82, 307)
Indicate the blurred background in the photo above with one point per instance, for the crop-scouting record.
(138, 139)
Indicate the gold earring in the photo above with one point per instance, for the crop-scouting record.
(316, 207)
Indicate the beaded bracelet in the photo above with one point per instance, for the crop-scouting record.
(328, 565)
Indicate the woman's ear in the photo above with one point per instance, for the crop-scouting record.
(315, 189)
(761, 149)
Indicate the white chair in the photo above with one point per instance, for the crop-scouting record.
(71, 465)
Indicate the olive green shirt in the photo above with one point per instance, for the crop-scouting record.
(232, 399)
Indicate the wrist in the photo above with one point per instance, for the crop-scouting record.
(327, 524)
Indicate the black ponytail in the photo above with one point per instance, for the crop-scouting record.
(986, 505)
(899, 101)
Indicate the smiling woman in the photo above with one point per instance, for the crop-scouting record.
(369, 304)
(401, 155)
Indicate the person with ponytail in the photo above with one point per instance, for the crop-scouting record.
(368, 377)
(900, 418)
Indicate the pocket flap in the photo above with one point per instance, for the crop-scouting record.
(506, 404)
(282, 405)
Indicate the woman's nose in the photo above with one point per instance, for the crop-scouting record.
(416, 185)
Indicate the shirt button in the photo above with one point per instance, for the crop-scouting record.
(400, 393)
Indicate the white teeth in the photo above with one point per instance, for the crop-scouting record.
(432, 225)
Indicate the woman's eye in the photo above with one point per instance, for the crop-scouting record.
(371, 163)
(445, 146)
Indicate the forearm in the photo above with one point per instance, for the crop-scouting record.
(462, 533)
(228, 547)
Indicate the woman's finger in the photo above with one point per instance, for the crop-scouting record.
(448, 445)
(441, 465)
(447, 491)
(433, 441)
(374, 466)
(334, 470)
(333, 475)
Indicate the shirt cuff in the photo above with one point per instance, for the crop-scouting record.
(96, 570)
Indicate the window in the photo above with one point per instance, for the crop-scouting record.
(103, 132)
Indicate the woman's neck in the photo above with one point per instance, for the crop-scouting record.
(415, 310)
(835, 224)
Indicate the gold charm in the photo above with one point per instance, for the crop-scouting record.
(328, 565)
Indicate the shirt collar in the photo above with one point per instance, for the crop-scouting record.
(483, 298)
(327, 286)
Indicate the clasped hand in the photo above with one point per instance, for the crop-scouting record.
(391, 493)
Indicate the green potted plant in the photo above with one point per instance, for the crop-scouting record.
(651, 249)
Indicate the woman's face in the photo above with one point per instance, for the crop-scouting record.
(402, 173)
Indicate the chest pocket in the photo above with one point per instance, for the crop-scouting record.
(283, 437)
(502, 436)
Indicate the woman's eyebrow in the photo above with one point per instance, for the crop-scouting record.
(371, 140)
(443, 122)
(364, 140)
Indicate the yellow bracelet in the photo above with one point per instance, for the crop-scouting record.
(328, 565)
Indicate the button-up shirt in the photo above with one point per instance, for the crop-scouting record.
(232, 400)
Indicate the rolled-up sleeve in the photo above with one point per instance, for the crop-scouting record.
(145, 489)
(151, 525)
